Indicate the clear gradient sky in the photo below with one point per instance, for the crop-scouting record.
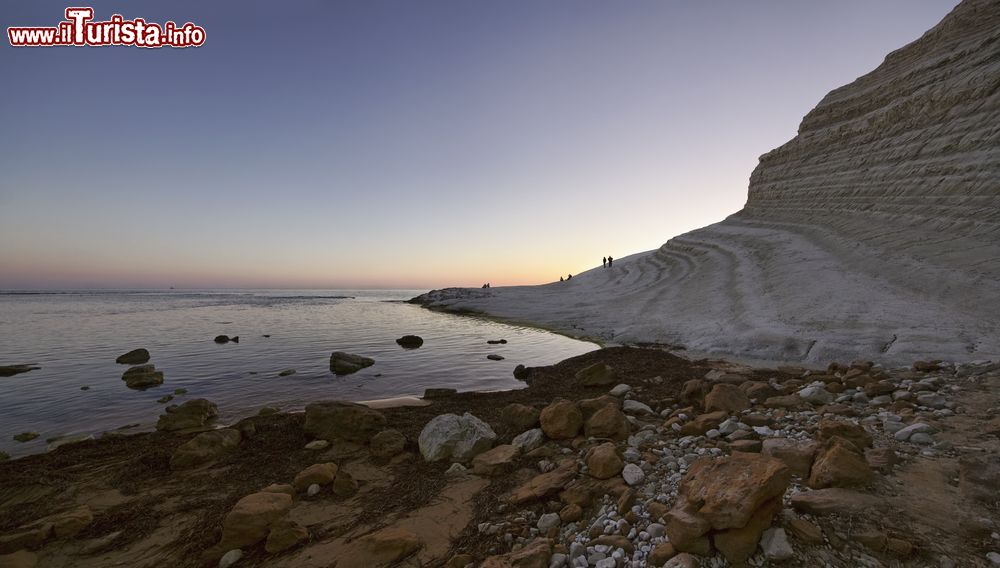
(405, 143)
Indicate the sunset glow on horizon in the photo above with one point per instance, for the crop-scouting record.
(397, 144)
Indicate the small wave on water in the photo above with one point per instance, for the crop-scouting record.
(75, 336)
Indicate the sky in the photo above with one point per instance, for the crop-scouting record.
(404, 143)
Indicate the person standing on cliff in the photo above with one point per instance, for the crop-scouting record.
(604, 261)
(610, 260)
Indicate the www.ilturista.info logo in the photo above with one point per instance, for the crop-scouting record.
(78, 29)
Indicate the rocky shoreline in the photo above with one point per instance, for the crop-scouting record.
(622, 457)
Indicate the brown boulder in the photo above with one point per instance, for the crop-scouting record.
(834, 501)
(604, 461)
(746, 446)
(796, 454)
(285, 534)
(788, 401)
(252, 518)
(545, 484)
(384, 548)
(608, 422)
(659, 555)
(758, 390)
(387, 444)
(839, 465)
(318, 473)
(694, 391)
(519, 417)
(728, 398)
(596, 375)
(204, 448)
(805, 531)
(495, 461)
(731, 488)
(686, 529)
(561, 420)
(737, 544)
(195, 413)
(850, 431)
(330, 420)
(703, 423)
(534, 555)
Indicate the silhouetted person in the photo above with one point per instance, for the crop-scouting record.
(610, 260)
(604, 261)
(561, 279)
(570, 277)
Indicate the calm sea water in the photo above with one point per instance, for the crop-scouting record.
(75, 337)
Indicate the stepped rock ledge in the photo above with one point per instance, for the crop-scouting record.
(873, 233)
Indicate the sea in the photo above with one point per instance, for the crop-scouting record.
(75, 337)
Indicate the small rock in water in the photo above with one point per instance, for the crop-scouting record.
(286, 372)
(25, 436)
(494, 357)
(180, 391)
(230, 558)
(134, 357)
(165, 399)
(11, 370)
(497, 341)
(85, 388)
(410, 341)
(221, 339)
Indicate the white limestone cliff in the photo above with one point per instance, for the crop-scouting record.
(874, 233)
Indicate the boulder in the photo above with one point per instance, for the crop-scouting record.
(597, 375)
(204, 448)
(387, 444)
(529, 440)
(703, 423)
(694, 391)
(728, 398)
(410, 341)
(737, 544)
(346, 363)
(834, 501)
(330, 420)
(839, 464)
(603, 461)
(561, 420)
(195, 413)
(11, 370)
(608, 422)
(685, 528)
(459, 438)
(133, 357)
(805, 531)
(521, 372)
(632, 406)
(546, 484)
(534, 555)
(850, 431)
(318, 473)
(731, 488)
(142, 377)
(495, 461)
(285, 535)
(251, 519)
(519, 417)
(383, 548)
(816, 394)
(682, 560)
(796, 454)
(774, 543)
